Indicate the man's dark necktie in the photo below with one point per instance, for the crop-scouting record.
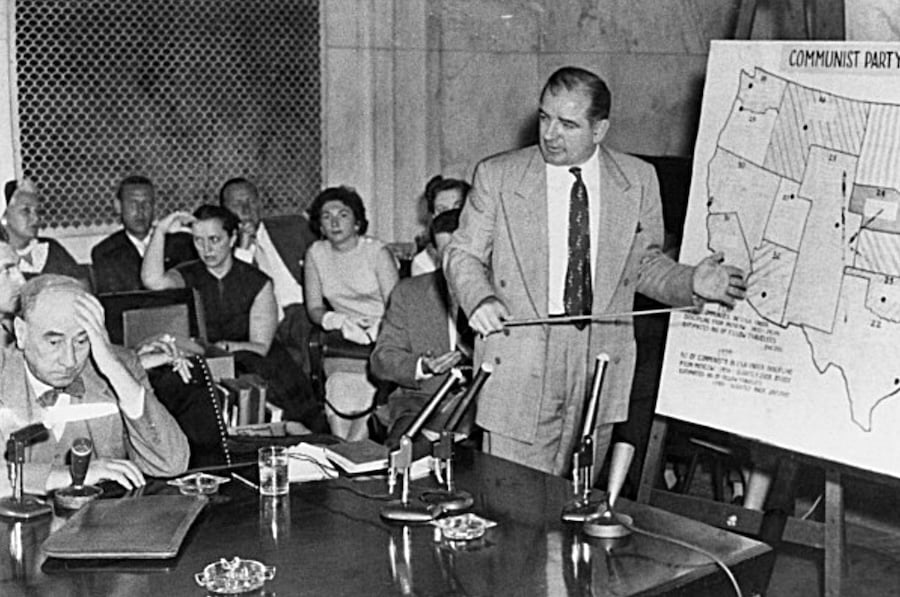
(49, 398)
(578, 296)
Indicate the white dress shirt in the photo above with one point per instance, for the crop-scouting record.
(559, 188)
(263, 251)
(140, 245)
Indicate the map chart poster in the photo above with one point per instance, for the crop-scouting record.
(796, 178)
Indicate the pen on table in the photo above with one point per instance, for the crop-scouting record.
(245, 481)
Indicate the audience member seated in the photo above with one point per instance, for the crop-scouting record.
(348, 278)
(276, 245)
(11, 281)
(117, 259)
(441, 195)
(21, 223)
(238, 304)
(424, 334)
(62, 356)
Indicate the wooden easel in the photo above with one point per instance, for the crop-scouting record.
(829, 535)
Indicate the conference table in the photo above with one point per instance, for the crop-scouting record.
(328, 538)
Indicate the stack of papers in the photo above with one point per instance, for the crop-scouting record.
(308, 462)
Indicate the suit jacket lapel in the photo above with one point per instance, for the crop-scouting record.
(619, 209)
(525, 211)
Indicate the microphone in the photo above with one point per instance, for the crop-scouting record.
(451, 499)
(78, 494)
(580, 508)
(28, 435)
(19, 506)
(460, 411)
(401, 459)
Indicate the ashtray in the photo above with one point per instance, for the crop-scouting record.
(463, 527)
(234, 576)
(198, 483)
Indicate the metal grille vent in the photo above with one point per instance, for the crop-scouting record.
(187, 92)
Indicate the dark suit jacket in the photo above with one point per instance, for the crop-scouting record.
(117, 263)
(415, 323)
(60, 261)
(291, 236)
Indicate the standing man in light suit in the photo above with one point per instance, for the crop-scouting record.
(568, 227)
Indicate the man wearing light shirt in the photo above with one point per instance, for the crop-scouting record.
(116, 260)
(569, 227)
(277, 246)
(63, 357)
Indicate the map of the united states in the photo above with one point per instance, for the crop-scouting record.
(804, 187)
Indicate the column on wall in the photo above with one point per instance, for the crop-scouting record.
(375, 108)
(9, 156)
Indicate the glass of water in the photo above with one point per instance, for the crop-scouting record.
(273, 470)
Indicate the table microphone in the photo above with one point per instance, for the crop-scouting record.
(609, 524)
(581, 508)
(19, 506)
(401, 459)
(78, 494)
(451, 499)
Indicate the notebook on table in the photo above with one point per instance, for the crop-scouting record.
(148, 527)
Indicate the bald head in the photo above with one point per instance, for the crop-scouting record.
(55, 345)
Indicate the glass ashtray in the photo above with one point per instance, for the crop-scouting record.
(463, 527)
(234, 576)
(198, 483)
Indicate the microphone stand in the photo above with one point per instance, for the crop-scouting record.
(78, 494)
(20, 506)
(580, 508)
(449, 498)
(401, 459)
(610, 524)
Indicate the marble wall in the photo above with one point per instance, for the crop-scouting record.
(873, 20)
(419, 87)
(8, 155)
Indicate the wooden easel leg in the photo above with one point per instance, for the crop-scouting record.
(653, 460)
(835, 535)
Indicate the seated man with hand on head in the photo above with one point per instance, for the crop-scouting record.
(117, 258)
(63, 357)
(423, 335)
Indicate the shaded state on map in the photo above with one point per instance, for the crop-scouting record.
(803, 192)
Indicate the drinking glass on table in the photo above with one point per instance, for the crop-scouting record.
(273, 470)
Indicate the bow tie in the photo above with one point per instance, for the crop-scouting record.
(49, 398)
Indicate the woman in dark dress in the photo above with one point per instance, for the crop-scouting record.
(238, 303)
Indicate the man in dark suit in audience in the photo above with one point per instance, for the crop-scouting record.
(277, 246)
(117, 258)
(423, 335)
